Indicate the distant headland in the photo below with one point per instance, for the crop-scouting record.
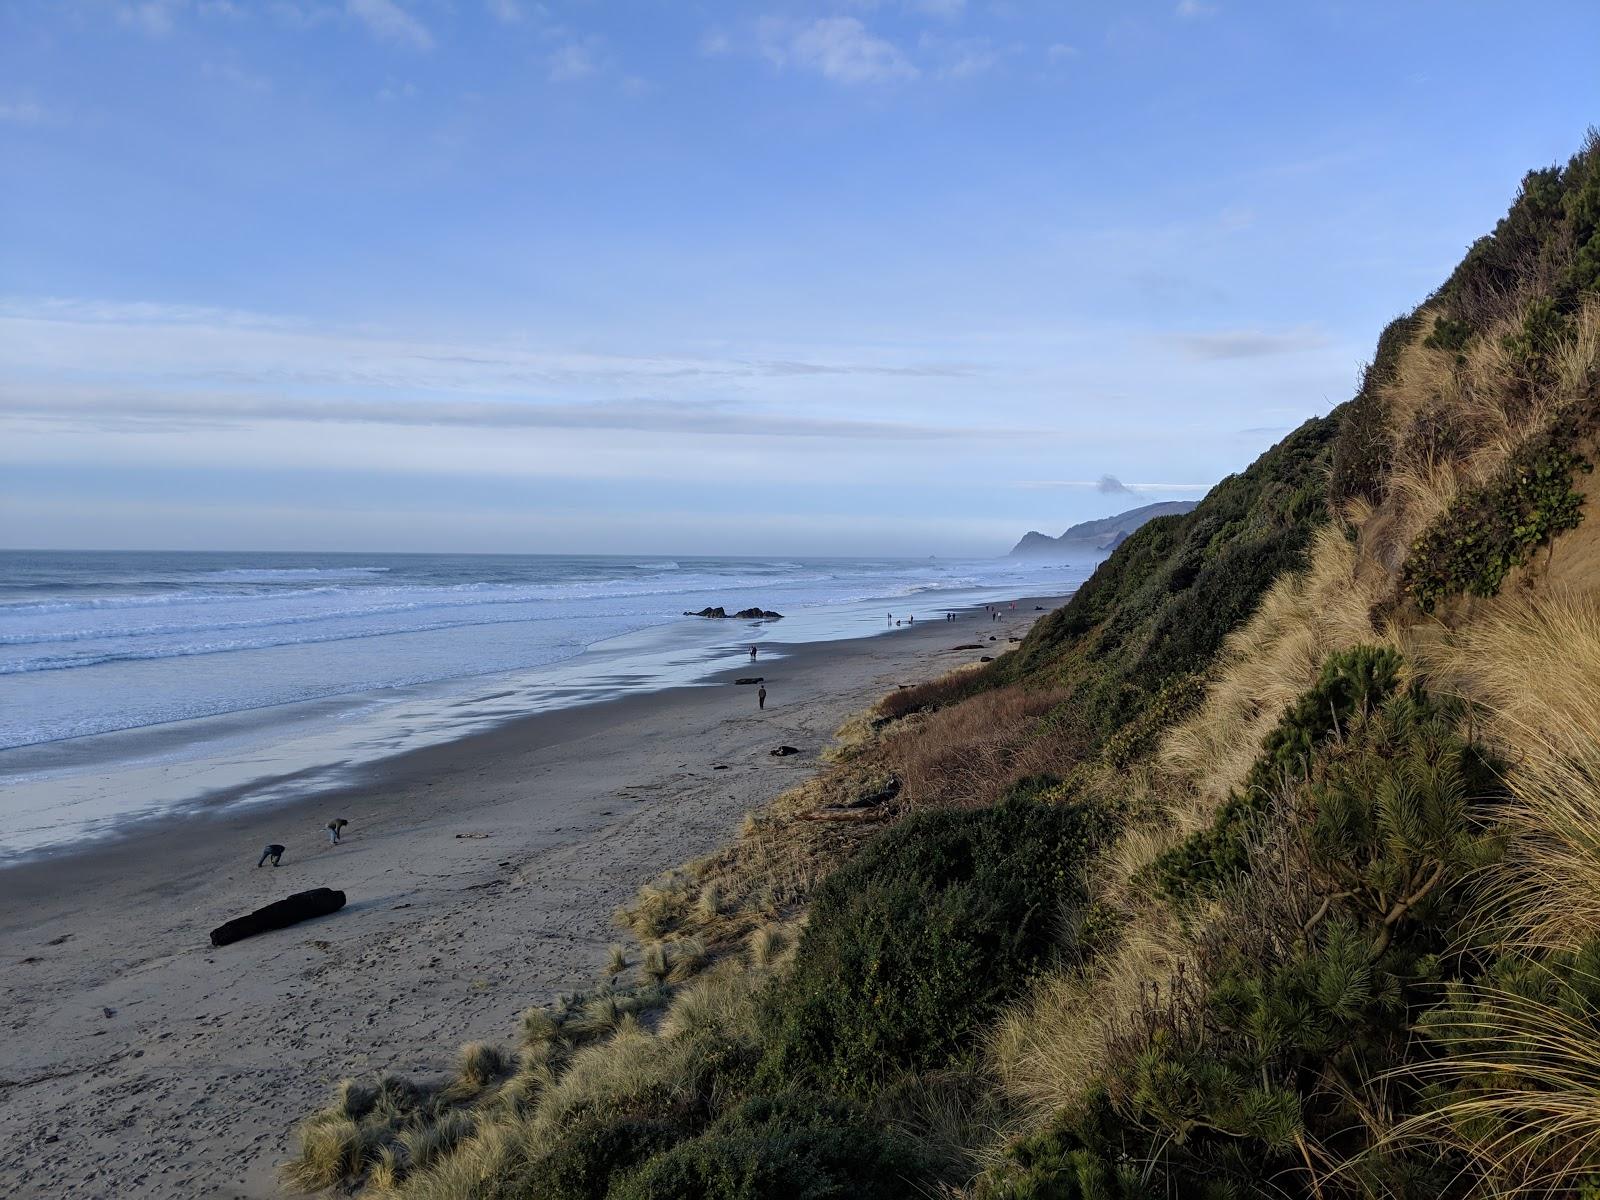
(1095, 537)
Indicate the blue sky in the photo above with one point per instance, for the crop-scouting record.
(914, 275)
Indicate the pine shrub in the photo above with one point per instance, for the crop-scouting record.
(786, 1147)
(1493, 529)
(916, 942)
(1352, 683)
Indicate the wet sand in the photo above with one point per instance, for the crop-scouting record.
(481, 875)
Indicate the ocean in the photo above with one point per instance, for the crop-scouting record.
(133, 684)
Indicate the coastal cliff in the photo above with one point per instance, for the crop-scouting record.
(1264, 866)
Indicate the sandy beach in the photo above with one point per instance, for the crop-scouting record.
(481, 875)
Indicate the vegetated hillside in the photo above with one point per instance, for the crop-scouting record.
(1096, 537)
(1267, 866)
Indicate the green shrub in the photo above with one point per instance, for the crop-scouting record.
(591, 1154)
(1491, 530)
(920, 938)
(1549, 242)
(1361, 450)
(787, 1147)
(1449, 334)
(1082, 1156)
(1306, 996)
(1352, 682)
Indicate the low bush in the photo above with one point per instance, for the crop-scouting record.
(1351, 684)
(1492, 529)
(1269, 1067)
(786, 1147)
(1362, 449)
(942, 692)
(917, 941)
(591, 1155)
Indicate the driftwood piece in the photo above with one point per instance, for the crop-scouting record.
(835, 812)
(881, 795)
(280, 914)
(783, 752)
(751, 679)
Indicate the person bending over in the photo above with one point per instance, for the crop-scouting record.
(274, 852)
(335, 828)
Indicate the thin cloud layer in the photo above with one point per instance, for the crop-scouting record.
(1244, 343)
(120, 410)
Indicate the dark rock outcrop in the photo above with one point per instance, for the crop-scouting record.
(744, 614)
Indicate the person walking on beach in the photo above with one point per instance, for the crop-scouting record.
(889, 620)
(761, 698)
(274, 852)
(752, 654)
(335, 828)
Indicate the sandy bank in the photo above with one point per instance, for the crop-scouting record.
(481, 875)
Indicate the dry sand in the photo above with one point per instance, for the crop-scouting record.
(140, 1062)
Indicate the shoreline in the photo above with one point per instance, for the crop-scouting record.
(481, 876)
(68, 795)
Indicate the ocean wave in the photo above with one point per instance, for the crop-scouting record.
(63, 662)
(151, 600)
(250, 574)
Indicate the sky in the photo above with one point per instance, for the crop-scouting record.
(657, 276)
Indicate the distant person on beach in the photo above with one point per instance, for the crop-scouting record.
(752, 654)
(761, 698)
(335, 828)
(912, 619)
(889, 619)
(274, 852)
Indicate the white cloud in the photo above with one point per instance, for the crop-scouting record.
(508, 12)
(388, 21)
(154, 17)
(1191, 9)
(838, 48)
(235, 76)
(22, 113)
(301, 14)
(571, 62)
(970, 57)
(1236, 217)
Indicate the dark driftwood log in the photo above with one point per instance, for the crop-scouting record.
(301, 906)
(846, 814)
(751, 679)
